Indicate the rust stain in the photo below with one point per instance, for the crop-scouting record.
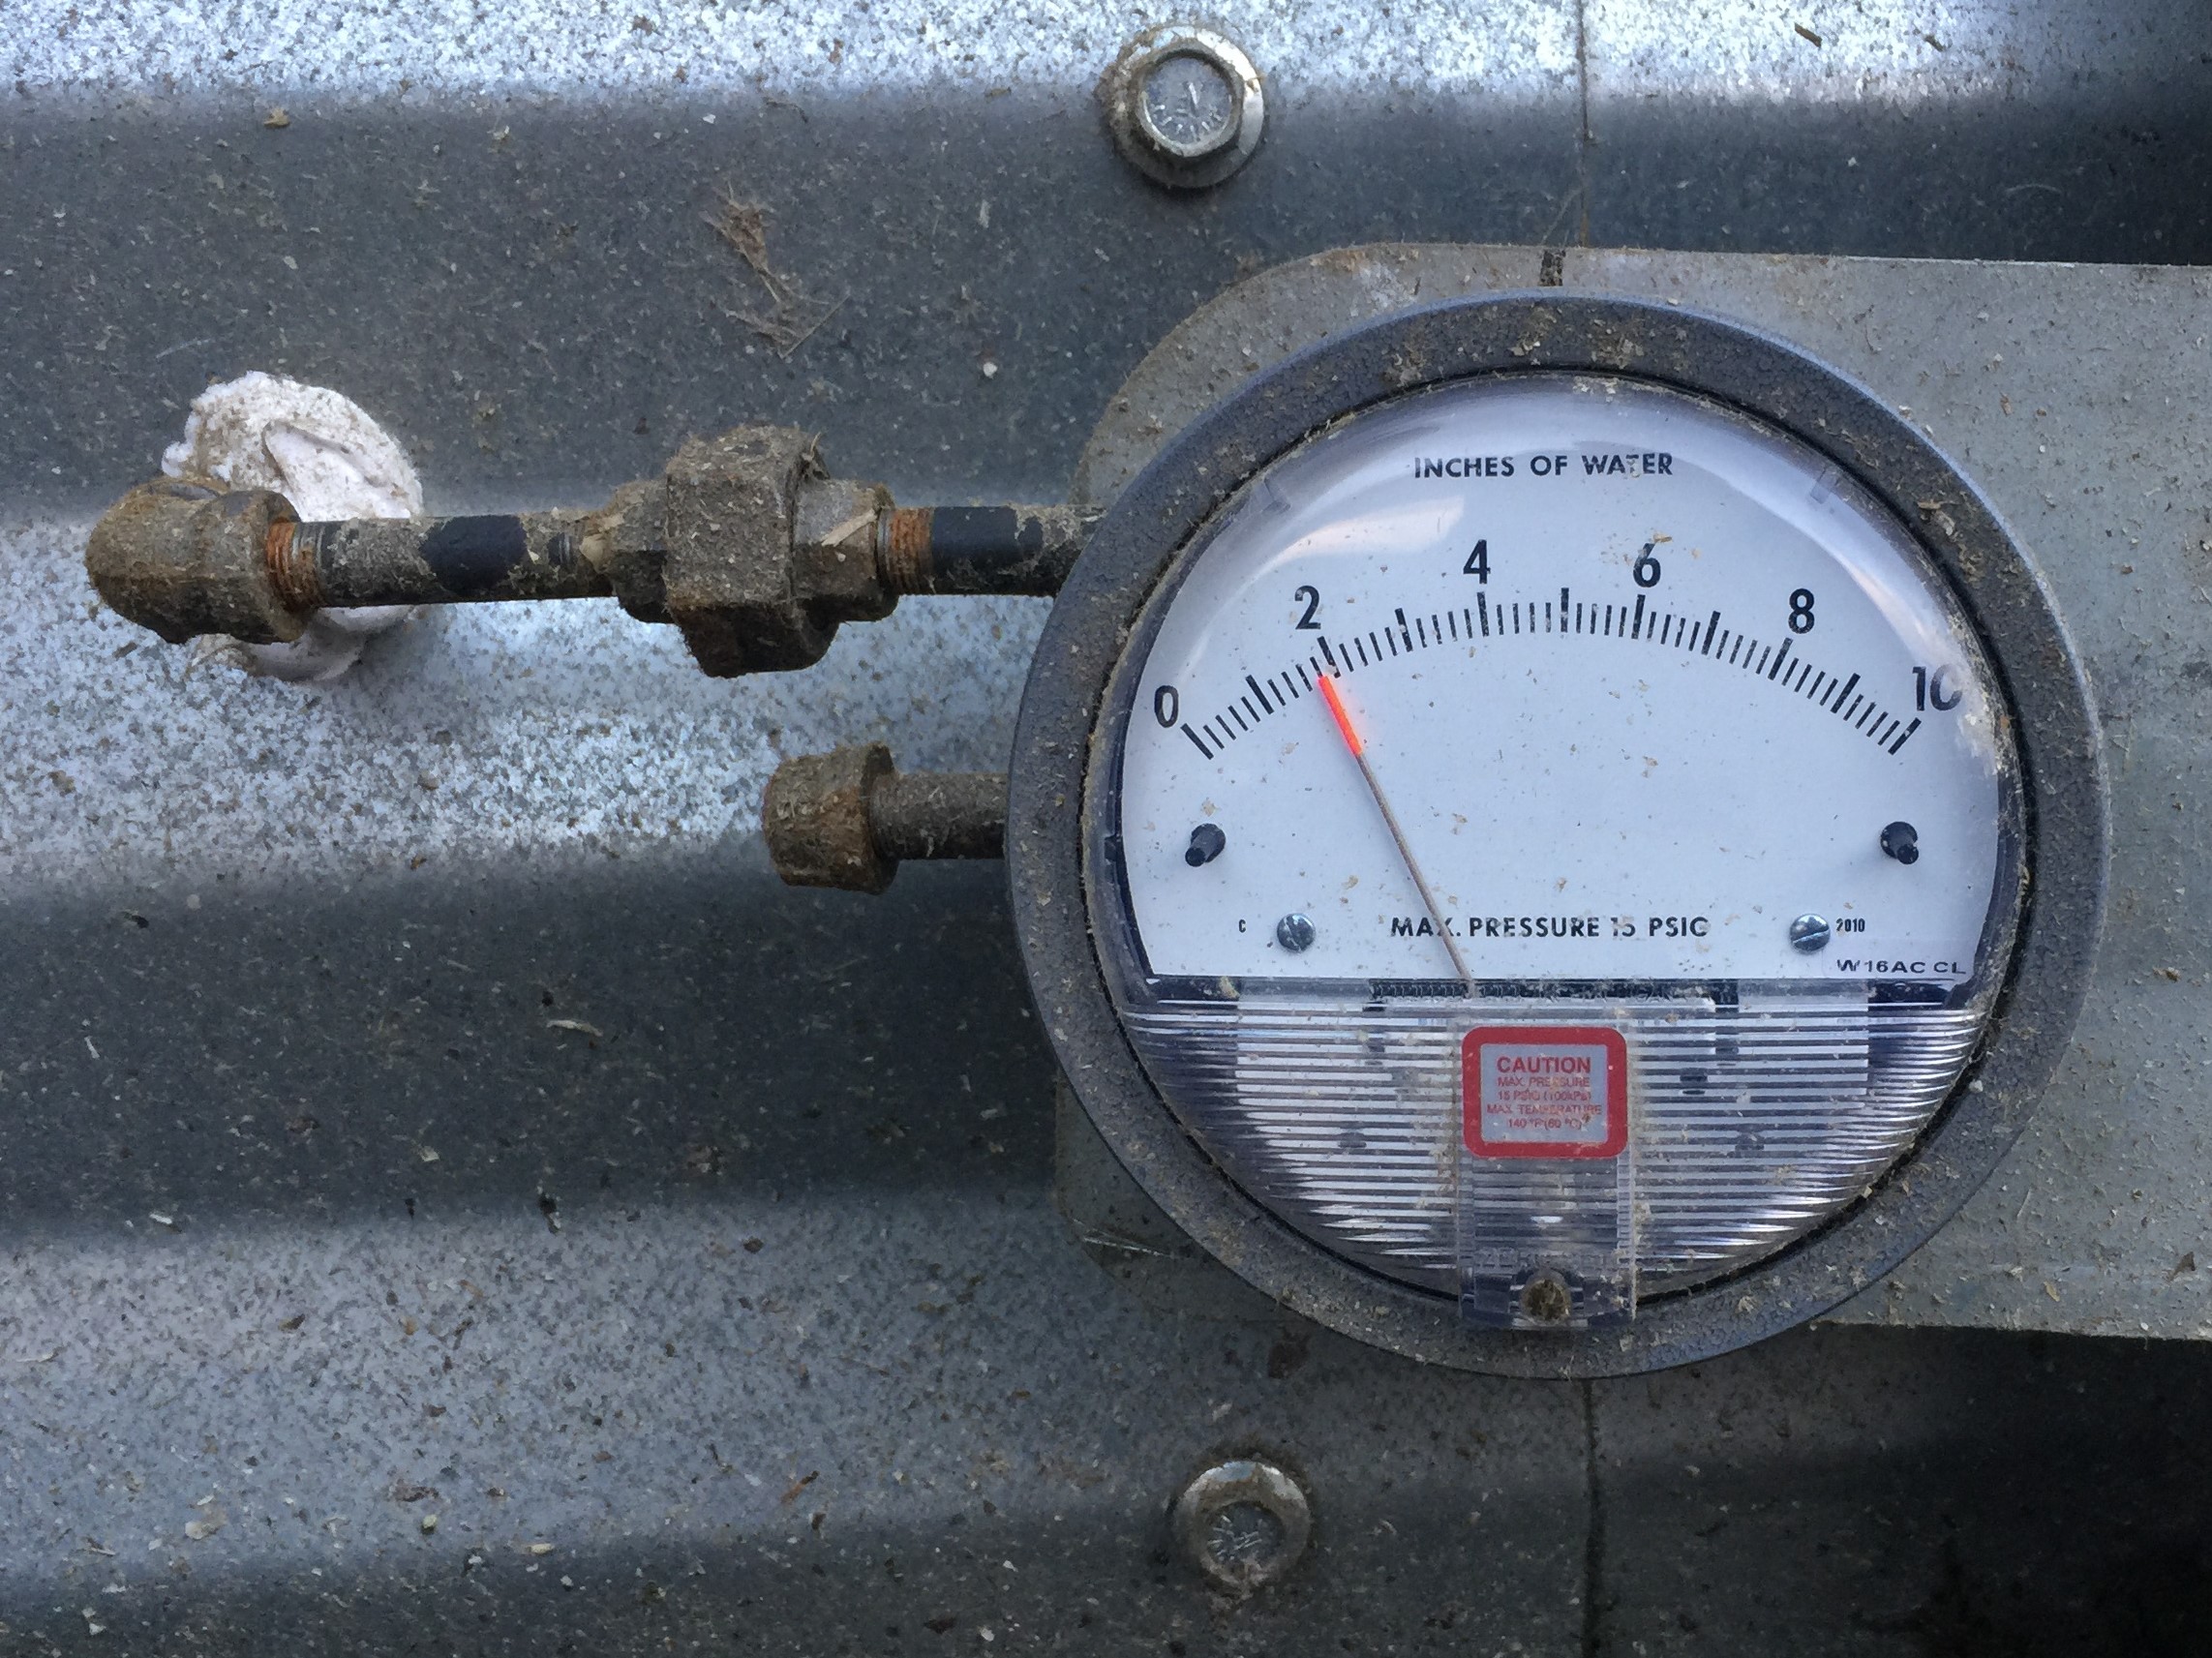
(292, 566)
(902, 558)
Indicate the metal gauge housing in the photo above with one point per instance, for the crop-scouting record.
(1556, 836)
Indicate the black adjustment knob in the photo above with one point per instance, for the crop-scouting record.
(1902, 842)
(1206, 843)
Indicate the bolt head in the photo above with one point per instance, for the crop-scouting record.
(1243, 1523)
(1185, 106)
(1294, 932)
(1810, 934)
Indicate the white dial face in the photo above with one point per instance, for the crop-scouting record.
(1627, 689)
(1566, 835)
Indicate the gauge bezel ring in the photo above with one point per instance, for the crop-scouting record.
(1160, 516)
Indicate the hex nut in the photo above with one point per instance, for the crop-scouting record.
(849, 818)
(729, 520)
(1244, 1523)
(1184, 104)
(833, 551)
(817, 824)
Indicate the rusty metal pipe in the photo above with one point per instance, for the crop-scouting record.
(939, 814)
(433, 560)
(976, 550)
(186, 559)
(745, 544)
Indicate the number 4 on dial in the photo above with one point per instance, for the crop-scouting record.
(1477, 563)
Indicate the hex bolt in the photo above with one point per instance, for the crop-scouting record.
(1809, 933)
(1185, 106)
(1244, 1523)
(849, 818)
(1294, 932)
(1902, 842)
(1206, 844)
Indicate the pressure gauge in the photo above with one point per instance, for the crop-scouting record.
(1555, 835)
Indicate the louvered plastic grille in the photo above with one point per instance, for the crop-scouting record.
(1751, 1125)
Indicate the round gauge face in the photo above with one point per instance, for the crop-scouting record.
(1565, 841)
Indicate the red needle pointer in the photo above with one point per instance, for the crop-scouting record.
(1390, 820)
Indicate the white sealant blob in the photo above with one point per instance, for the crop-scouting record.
(325, 455)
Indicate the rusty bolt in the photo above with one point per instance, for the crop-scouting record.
(1244, 1523)
(848, 818)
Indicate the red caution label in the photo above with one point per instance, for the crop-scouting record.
(1545, 1091)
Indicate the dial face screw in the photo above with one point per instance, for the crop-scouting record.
(1545, 1299)
(1810, 934)
(1294, 932)
(1243, 1523)
(1902, 842)
(1206, 843)
(1184, 106)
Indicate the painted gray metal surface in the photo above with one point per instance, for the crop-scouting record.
(492, 223)
(537, 735)
(576, 48)
(486, 223)
(556, 736)
(264, 1039)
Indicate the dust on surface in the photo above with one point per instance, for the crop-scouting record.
(792, 314)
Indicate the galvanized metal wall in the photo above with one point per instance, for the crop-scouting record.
(531, 1159)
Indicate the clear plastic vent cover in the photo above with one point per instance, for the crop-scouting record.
(1565, 846)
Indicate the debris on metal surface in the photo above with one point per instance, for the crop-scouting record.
(561, 739)
(794, 316)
